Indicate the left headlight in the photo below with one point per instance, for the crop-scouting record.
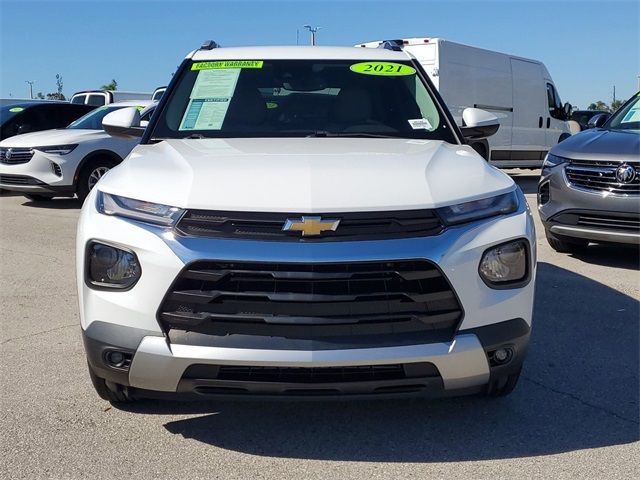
(551, 161)
(148, 212)
(57, 149)
(478, 209)
(111, 267)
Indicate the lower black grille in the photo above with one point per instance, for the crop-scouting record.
(601, 177)
(314, 375)
(8, 179)
(269, 226)
(628, 222)
(610, 222)
(311, 301)
(15, 156)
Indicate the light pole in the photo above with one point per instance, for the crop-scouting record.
(313, 31)
(30, 82)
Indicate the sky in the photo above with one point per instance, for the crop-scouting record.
(587, 46)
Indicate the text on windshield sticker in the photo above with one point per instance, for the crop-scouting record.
(382, 68)
(227, 64)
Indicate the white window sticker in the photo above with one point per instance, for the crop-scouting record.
(632, 115)
(209, 99)
(420, 124)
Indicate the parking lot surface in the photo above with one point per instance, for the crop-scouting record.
(574, 413)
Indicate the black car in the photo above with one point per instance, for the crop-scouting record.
(26, 116)
(583, 117)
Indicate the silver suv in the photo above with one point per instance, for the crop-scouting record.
(589, 189)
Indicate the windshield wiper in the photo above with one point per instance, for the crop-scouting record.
(324, 133)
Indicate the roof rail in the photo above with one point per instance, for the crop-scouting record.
(209, 45)
(395, 45)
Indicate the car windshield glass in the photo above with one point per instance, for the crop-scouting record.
(9, 111)
(628, 117)
(276, 98)
(93, 119)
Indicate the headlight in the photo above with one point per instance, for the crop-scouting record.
(109, 267)
(57, 149)
(487, 207)
(553, 161)
(506, 265)
(137, 209)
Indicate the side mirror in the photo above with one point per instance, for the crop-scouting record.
(477, 124)
(124, 122)
(567, 110)
(598, 120)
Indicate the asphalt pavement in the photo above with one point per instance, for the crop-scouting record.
(573, 415)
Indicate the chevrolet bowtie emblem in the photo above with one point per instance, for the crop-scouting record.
(310, 225)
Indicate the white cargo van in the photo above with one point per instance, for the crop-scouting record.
(519, 91)
(98, 98)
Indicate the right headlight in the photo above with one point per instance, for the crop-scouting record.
(140, 210)
(553, 161)
(478, 209)
(506, 265)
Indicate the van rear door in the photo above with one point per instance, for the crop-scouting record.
(528, 134)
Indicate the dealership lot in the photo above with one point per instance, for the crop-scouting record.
(575, 412)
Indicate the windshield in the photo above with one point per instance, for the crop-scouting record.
(93, 119)
(276, 98)
(628, 117)
(9, 111)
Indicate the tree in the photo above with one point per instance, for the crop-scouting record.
(616, 104)
(57, 95)
(39, 96)
(112, 85)
(599, 105)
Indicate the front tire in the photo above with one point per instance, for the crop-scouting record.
(90, 174)
(109, 391)
(565, 244)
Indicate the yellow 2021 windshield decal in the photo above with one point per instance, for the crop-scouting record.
(382, 68)
(227, 64)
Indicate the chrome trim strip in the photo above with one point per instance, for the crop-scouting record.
(597, 235)
(159, 365)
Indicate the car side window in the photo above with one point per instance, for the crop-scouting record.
(80, 99)
(96, 100)
(555, 104)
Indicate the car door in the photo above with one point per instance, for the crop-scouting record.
(528, 134)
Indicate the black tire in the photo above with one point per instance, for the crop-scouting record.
(566, 245)
(34, 197)
(111, 392)
(86, 180)
(503, 385)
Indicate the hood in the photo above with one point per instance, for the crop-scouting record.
(63, 136)
(600, 144)
(305, 175)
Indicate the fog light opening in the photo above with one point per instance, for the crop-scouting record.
(117, 359)
(501, 356)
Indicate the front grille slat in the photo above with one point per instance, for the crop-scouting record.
(15, 156)
(298, 300)
(600, 176)
(269, 226)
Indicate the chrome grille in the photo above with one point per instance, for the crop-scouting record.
(600, 176)
(15, 156)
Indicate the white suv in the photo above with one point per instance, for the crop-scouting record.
(304, 221)
(65, 161)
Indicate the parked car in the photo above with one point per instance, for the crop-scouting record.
(583, 117)
(309, 222)
(65, 162)
(98, 98)
(25, 116)
(157, 93)
(519, 91)
(589, 190)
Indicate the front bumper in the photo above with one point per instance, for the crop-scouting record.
(463, 363)
(43, 173)
(591, 215)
